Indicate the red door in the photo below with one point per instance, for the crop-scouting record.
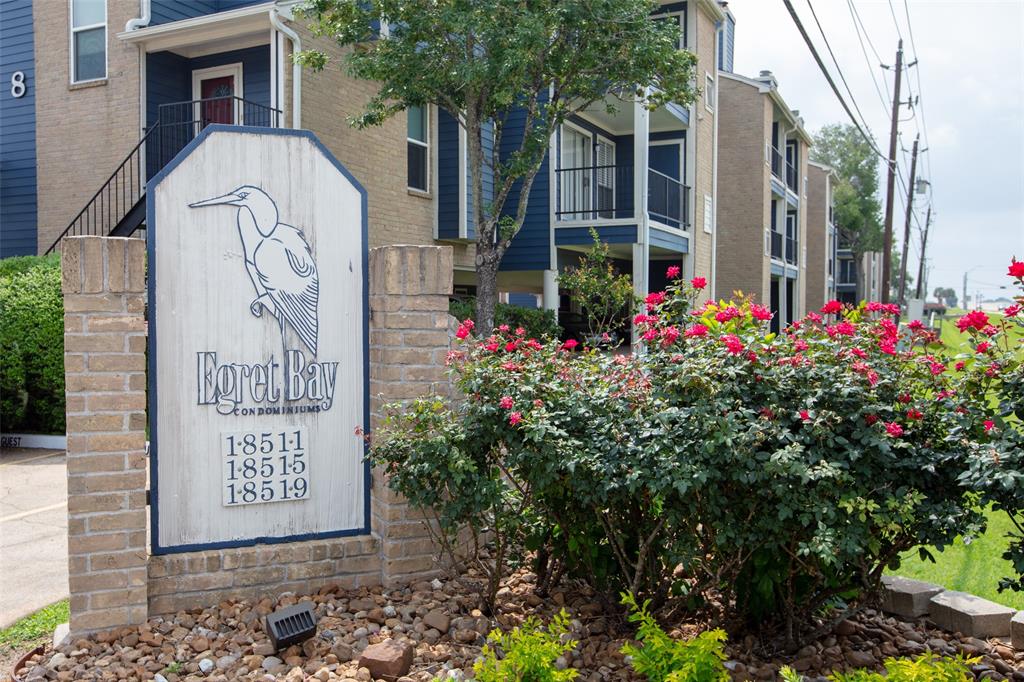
(218, 101)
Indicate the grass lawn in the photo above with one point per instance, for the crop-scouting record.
(974, 568)
(40, 624)
(977, 567)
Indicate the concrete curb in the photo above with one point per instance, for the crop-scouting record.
(952, 611)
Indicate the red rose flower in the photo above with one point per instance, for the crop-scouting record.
(832, 307)
(760, 312)
(698, 282)
(696, 330)
(1011, 311)
(805, 415)
(1016, 269)
(975, 319)
(732, 343)
(914, 414)
(871, 419)
(655, 298)
(800, 345)
(893, 429)
(960, 365)
(570, 344)
(936, 368)
(672, 272)
(989, 424)
(727, 314)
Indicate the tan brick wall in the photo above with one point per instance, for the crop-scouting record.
(744, 195)
(817, 236)
(376, 156)
(197, 579)
(801, 301)
(703, 129)
(410, 334)
(105, 362)
(83, 132)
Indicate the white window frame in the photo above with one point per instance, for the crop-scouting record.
(709, 92)
(681, 19)
(72, 30)
(420, 143)
(598, 140)
(584, 188)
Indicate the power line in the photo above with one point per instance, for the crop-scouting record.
(835, 61)
(923, 128)
(828, 77)
(892, 11)
(871, 68)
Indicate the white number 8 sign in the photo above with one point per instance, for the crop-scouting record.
(18, 84)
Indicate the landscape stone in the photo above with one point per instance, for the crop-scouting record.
(970, 615)
(438, 620)
(907, 598)
(389, 660)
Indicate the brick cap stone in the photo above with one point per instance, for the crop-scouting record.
(970, 615)
(1017, 631)
(388, 660)
(411, 270)
(906, 597)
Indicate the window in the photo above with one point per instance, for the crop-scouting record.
(418, 146)
(709, 92)
(605, 181)
(88, 40)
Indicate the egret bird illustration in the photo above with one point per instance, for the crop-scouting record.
(278, 260)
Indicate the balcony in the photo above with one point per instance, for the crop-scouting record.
(783, 169)
(596, 193)
(791, 256)
(776, 245)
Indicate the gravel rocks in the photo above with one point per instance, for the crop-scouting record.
(440, 624)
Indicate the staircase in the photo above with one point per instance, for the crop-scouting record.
(118, 208)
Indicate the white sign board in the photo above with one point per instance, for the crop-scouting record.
(258, 343)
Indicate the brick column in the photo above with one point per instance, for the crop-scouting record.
(104, 285)
(409, 339)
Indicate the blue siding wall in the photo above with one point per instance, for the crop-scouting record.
(725, 51)
(447, 176)
(18, 234)
(530, 250)
(169, 80)
(487, 141)
(164, 11)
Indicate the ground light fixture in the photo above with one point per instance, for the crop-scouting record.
(290, 625)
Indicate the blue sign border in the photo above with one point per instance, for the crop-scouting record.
(151, 240)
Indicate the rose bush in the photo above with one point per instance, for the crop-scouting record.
(994, 436)
(720, 466)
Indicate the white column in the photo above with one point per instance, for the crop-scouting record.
(551, 291)
(641, 249)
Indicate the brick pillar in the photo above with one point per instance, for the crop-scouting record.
(104, 285)
(409, 339)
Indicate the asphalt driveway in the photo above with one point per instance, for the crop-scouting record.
(33, 531)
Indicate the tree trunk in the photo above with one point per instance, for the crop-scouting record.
(861, 292)
(486, 291)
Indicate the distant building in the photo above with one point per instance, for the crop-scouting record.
(822, 238)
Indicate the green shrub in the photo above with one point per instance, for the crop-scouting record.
(924, 668)
(604, 295)
(663, 659)
(32, 345)
(774, 474)
(993, 366)
(537, 322)
(528, 653)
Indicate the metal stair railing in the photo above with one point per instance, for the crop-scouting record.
(177, 124)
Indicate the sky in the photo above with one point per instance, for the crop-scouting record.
(971, 68)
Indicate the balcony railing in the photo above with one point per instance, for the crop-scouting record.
(776, 245)
(791, 250)
(606, 192)
(180, 122)
(668, 200)
(783, 169)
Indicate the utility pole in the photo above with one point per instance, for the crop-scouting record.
(890, 184)
(924, 250)
(906, 226)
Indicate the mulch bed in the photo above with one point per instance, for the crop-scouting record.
(443, 623)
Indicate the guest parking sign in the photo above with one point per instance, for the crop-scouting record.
(258, 342)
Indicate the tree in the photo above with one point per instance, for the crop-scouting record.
(485, 61)
(857, 212)
(946, 295)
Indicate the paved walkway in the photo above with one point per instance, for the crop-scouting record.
(33, 531)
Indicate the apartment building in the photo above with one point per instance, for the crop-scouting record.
(762, 194)
(822, 236)
(115, 88)
(643, 180)
(849, 286)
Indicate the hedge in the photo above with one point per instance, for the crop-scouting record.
(31, 345)
(537, 322)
